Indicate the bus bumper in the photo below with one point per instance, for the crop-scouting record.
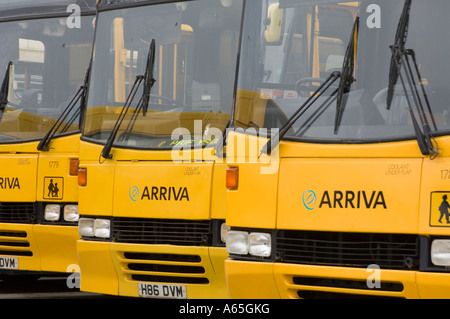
(167, 271)
(57, 247)
(97, 273)
(289, 281)
(250, 280)
(18, 248)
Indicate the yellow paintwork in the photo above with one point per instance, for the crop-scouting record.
(32, 263)
(216, 287)
(185, 187)
(57, 246)
(411, 187)
(97, 270)
(53, 247)
(109, 193)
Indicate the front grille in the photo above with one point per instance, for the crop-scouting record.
(163, 231)
(164, 268)
(388, 251)
(14, 243)
(22, 213)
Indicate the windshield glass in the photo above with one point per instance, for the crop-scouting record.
(290, 47)
(194, 70)
(49, 63)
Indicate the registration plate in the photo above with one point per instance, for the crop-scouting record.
(151, 290)
(9, 263)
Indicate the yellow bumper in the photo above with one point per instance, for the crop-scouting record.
(18, 241)
(200, 270)
(274, 280)
(57, 246)
(45, 248)
(97, 270)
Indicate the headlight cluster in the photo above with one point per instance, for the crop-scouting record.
(52, 212)
(94, 227)
(243, 243)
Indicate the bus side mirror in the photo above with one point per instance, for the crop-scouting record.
(274, 24)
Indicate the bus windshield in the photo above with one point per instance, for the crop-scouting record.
(195, 54)
(46, 60)
(290, 47)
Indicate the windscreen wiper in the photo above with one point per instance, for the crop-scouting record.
(399, 46)
(148, 80)
(275, 139)
(79, 96)
(400, 57)
(148, 77)
(4, 91)
(347, 79)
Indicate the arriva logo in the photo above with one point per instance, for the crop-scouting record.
(134, 193)
(348, 199)
(309, 199)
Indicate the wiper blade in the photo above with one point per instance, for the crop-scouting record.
(79, 96)
(399, 46)
(148, 77)
(274, 140)
(4, 91)
(148, 80)
(400, 57)
(346, 75)
(347, 79)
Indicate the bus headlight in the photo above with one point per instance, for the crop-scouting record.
(71, 213)
(52, 212)
(440, 252)
(224, 229)
(102, 228)
(86, 227)
(260, 244)
(237, 242)
(94, 227)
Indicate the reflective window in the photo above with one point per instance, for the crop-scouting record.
(49, 61)
(194, 71)
(291, 47)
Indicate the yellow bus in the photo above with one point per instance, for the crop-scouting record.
(44, 56)
(356, 201)
(159, 100)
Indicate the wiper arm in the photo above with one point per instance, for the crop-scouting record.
(106, 152)
(269, 146)
(4, 91)
(400, 56)
(79, 96)
(148, 80)
(347, 79)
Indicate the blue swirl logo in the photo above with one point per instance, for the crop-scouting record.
(309, 199)
(134, 193)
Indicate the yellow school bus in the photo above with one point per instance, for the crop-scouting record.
(44, 56)
(152, 185)
(338, 177)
